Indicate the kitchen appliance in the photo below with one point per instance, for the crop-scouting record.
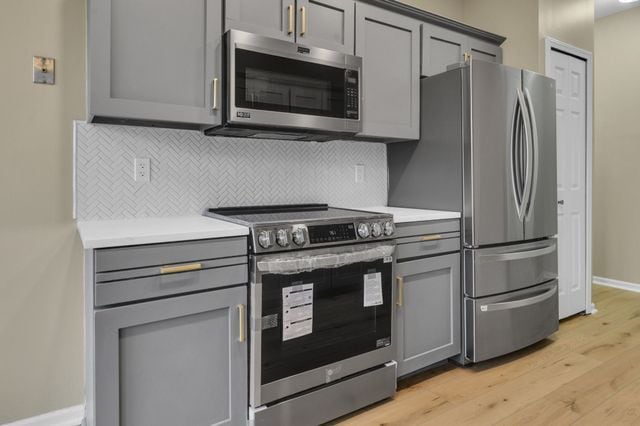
(488, 149)
(321, 310)
(281, 90)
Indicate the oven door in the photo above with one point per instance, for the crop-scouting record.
(277, 83)
(318, 316)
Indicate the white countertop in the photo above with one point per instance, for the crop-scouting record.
(127, 232)
(404, 215)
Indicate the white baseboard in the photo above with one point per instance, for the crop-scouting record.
(71, 416)
(623, 285)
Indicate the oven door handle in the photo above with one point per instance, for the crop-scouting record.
(305, 263)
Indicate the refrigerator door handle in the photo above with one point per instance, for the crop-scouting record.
(516, 157)
(518, 255)
(528, 171)
(535, 148)
(519, 303)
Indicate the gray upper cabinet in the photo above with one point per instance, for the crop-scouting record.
(442, 47)
(271, 18)
(154, 60)
(326, 23)
(428, 312)
(322, 23)
(176, 361)
(485, 51)
(389, 45)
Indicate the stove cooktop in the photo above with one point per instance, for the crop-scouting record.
(301, 226)
(290, 213)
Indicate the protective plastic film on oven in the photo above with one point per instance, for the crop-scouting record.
(320, 309)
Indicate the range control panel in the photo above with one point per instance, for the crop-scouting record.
(331, 233)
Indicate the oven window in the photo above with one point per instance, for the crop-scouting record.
(274, 83)
(342, 326)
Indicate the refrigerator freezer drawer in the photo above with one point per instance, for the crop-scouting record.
(501, 324)
(497, 270)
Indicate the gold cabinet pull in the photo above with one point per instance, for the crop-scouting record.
(290, 9)
(467, 56)
(303, 16)
(214, 104)
(400, 281)
(431, 237)
(180, 268)
(241, 336)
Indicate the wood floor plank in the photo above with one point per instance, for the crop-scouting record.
(587, 373)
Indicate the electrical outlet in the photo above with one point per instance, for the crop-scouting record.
(359, 173)
(141, 169)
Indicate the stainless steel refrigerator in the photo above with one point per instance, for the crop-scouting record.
(488, 150)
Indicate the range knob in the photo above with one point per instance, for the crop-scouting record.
(264, 239)
(298, 236)
(282, 237)
(363, 230)
(388, 228)
(376, 229)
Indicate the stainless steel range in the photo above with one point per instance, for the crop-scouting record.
(321, 310)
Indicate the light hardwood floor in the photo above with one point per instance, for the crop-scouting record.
(586, 373)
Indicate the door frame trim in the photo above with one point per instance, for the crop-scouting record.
(557, 45)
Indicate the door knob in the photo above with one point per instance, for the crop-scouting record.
(561, 202)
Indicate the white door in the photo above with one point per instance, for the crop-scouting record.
(571, 109)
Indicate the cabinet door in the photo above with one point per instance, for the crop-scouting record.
(270, 18)
(440, 48)
(327, 24)
(428, 312)
(484, 51)
(154, 59)
(177, 361)
(389, 45)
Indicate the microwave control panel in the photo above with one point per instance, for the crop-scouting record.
(352, 95)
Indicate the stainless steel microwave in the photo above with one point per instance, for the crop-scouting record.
(277, 89)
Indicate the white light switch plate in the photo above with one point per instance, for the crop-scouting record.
(141, 169)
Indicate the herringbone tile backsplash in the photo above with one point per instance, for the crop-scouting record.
(190, 172)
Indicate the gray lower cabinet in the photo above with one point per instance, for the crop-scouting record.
(428, 311)
(442, 47)
(155, 60)
(389, 45)
(322, 23)
(175, 361)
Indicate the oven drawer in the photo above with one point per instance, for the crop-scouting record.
(501, 324)
(427, 245)
(503, 269)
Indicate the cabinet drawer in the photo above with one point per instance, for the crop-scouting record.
(413, 229)
(501, 324)
(114, 259)
(149, 287)
(427, 245)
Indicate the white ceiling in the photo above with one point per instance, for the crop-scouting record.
(609, 7)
